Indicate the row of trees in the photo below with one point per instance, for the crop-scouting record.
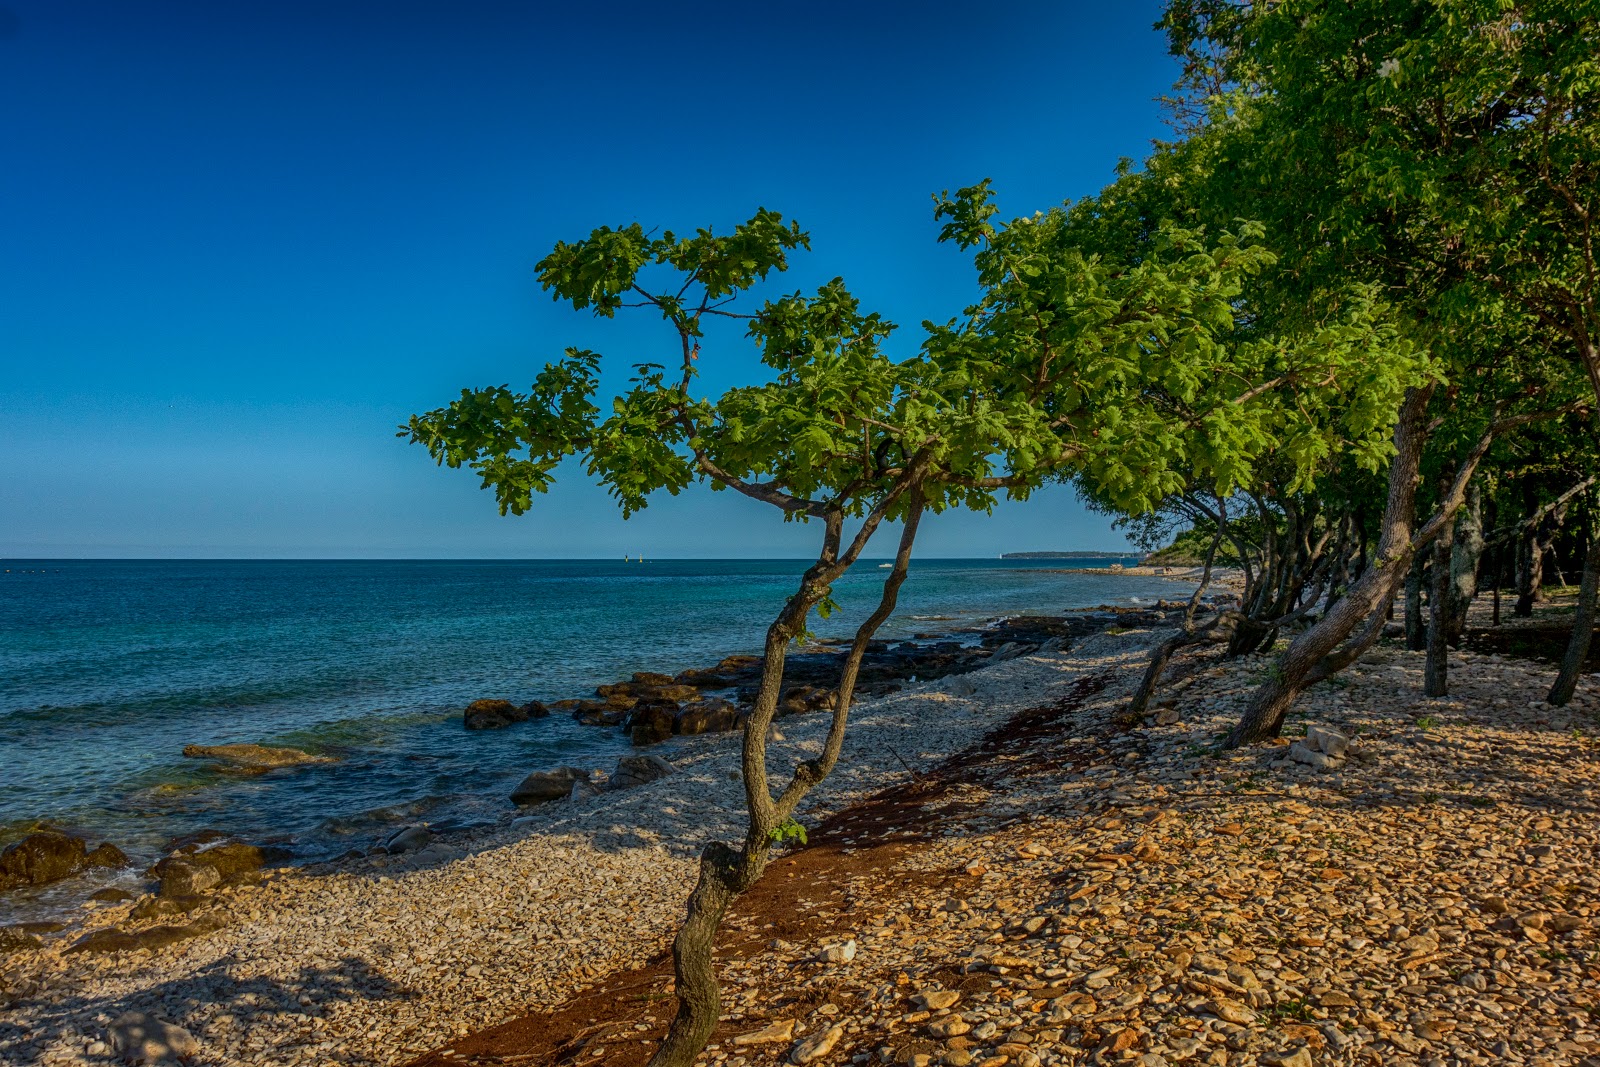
(1344, 326)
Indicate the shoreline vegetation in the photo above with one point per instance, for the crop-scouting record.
(1004, 866)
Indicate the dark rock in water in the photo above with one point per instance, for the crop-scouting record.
(534, 710)
(542, 786)
(492, 714)
(41, 858)
(731, 671)
(111, 895)
(411, 839)
(106, 855)
(254, 759)
(652, 678)
(594, 713)
(707, 717)
(182, 878)
(652, 722)
(637, 770)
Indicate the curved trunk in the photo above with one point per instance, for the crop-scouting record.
(725, 873)
(1317, 652)
(1583, 624)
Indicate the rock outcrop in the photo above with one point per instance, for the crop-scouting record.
(498, 714)
(651, 721)
(49, 856)
(707, 717)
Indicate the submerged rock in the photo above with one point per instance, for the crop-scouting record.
(411, 839)
(254, 758)
(495, 714)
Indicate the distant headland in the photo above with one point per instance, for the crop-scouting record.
(1069, 555)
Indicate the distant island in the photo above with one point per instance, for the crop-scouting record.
(1069, 555)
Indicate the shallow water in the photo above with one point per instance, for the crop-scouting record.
(108, 668)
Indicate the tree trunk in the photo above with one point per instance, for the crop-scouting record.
(1436, 669)
(1530, 572)
(1416, 631)
(1583, 624)
(1467, 551)
(1310, 657)
(725, 873)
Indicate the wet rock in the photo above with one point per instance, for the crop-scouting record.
(254, 759)
(638, 770)
(180, 877)
(493, 714)
(41, 858)
(652, 722)
(12, 940)
(707, 717)
(143, 1038)
(542, 786)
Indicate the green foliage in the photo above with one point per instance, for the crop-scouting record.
(788, 830)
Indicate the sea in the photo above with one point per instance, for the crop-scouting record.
(108, 668)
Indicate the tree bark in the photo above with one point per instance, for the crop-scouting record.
(1317, 652)
(1436, 668)
(1416, 631)
(1583, 624)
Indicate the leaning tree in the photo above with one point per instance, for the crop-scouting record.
(1122, 369)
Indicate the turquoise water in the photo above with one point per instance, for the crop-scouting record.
(108, 668)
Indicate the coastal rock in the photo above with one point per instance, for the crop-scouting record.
(182, 878)
(16, 941)
(595, 713)
(707, 717)
(638, 770)
(254, 759)
(184, 872)
(804, 698)
(143, 1038)
(652, 722)
(49, 856)
(411, 839)
(492, 715)
(542, 786)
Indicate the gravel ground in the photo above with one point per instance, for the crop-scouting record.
(1122, 894)
(372, 961)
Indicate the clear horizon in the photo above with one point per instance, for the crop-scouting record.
(250, 240)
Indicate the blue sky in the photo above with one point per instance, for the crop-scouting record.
(243, 241)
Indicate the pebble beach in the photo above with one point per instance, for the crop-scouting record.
(1092, 890)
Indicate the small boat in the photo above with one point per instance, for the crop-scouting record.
(881, 565)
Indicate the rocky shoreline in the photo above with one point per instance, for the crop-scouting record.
(649, 708)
